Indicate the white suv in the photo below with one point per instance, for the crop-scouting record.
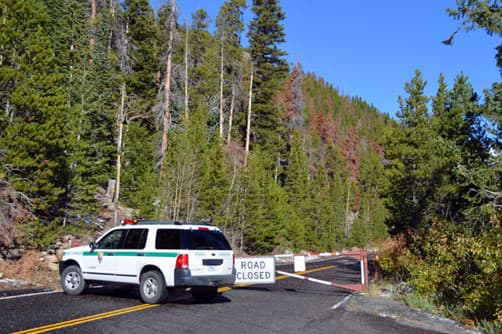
(154, 255)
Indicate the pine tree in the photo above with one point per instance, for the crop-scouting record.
(270, 69)
(264, 205)
(87, 121)
(141, 190)
(185, 166)
(410, 153)
(214, 185)
(229, 27)
(297, 187)
(142, 39)
(33, 138)
(478, 14)
(140, 71)
(203, 68)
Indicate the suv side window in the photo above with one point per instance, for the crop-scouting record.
(135, 239)
(111, 240)
(167, 239)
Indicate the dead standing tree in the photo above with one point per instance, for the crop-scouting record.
(166, 115)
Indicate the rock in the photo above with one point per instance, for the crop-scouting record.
(51, 258)
(15, 254)
(1, 275)
(53, 266)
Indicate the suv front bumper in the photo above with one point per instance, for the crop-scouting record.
(183, 277)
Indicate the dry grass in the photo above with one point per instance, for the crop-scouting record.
(31, 270)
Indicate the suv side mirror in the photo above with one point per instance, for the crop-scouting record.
(93, 245)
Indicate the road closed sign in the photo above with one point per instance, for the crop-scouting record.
(255, 270)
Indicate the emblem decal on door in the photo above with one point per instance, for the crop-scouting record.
(100, 257)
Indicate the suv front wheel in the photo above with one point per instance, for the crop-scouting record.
(72, 281)
(152, 287)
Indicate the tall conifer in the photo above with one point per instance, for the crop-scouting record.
(270, 67)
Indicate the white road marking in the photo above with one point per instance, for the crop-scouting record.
(31, 294)
(340, 303)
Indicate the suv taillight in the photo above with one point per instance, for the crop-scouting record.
(182, 261)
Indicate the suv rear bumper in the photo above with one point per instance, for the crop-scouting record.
(183, 277)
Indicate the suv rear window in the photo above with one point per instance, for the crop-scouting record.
(191, 239)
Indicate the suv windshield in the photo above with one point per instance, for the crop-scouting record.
(191, 239)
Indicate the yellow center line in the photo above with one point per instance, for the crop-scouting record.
(83, 320)
(78, 321)
(278, 278)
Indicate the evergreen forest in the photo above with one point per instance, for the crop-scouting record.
(110, 106)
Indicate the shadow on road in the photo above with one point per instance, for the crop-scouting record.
(178, 296)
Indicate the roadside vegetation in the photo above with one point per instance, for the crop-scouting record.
(111, 107)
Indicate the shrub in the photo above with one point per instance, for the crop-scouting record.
(420, 302)
(394, 257)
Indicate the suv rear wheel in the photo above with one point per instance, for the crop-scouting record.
(204, 293)
(152, 287)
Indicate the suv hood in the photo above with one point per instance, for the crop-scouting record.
(76, 250)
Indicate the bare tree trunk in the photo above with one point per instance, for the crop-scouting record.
(347, 228)
(231, 115)
(190, 205)
(242, 220)
(186, 71)
(166, 117)
(93, 25)
(4, 12)
(112, 15)
(248, 123)
(221, 86)
(177, 195)
(120, 123)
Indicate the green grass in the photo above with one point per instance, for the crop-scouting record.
(420, 302)
(489, 327)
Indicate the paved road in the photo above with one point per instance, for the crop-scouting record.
(289, 306)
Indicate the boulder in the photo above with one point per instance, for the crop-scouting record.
(14, 254)
(53, 266)
(51, 259)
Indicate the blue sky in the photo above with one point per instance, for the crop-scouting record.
(371, 48)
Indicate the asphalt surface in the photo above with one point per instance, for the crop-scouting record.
(289, 306)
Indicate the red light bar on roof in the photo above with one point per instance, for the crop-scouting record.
(203, 228)
(129, 221)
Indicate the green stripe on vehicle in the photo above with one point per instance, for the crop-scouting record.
(148, 254)
(161, 254)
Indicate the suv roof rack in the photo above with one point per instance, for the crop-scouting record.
(150, 222)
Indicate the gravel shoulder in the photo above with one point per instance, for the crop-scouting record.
(387, 307)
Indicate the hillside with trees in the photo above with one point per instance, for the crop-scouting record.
(111, 104)
(188, 125)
